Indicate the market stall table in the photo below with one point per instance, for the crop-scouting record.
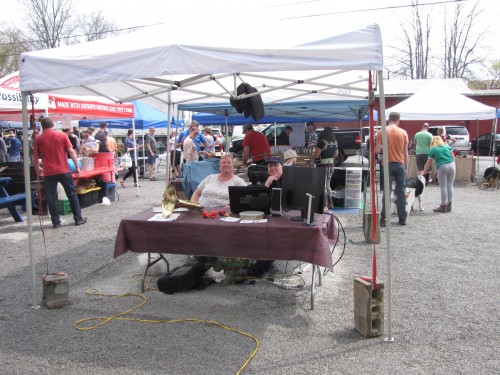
(279, 238)
(10, 201)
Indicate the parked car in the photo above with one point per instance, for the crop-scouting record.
(458, 133)
(365, 140)
(216, 133)
(485, 145)
(349, 140)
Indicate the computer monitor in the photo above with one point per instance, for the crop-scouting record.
(297, 182)
(250, 198)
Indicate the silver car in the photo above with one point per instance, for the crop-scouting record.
(457, 132)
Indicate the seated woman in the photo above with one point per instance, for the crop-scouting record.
(213, 190)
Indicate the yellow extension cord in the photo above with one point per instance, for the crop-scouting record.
(121, 316)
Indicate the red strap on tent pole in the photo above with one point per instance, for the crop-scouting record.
(372, 176)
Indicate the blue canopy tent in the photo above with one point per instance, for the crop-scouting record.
(291, 111)
(214, 119)
(145, 117)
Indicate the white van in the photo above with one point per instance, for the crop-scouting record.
(456, 132)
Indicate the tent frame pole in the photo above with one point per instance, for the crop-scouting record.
(29, 202)
(167, 156)
(387, 218)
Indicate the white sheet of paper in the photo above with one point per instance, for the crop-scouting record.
(159, 217)
(181, 209)
(231, 219)
(260, 221)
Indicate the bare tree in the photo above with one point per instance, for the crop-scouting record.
(11, 45)
(95, 26)
(49, 22)
(462, 40)
(495, 75)
(412, 59)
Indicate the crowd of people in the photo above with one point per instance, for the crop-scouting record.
(428, 148)
(196, 145)
(11, 146)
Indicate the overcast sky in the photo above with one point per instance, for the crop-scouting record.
(243, 16)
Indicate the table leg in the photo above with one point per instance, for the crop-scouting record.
(15, 214)
(313, 286)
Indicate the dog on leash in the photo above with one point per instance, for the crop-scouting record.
(418, 183)
(415, 187)
(491, 178)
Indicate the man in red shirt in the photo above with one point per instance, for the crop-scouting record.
(255, 146)
(54, 148)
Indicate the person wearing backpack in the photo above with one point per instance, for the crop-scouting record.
(324, 155)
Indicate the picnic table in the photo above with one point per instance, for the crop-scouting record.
(11, 201)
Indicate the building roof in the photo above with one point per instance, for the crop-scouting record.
(407, 87)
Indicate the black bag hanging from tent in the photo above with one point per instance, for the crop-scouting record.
(252, 106)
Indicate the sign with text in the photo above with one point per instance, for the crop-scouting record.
(74, 106)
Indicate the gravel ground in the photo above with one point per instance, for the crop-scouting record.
(444, 305)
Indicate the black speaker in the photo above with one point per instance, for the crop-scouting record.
(276, 199)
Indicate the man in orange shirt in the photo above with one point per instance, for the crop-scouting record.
(397, 147)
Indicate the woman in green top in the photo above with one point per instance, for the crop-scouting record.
(445, 164)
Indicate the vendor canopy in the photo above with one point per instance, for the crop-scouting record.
(440, 102)
(11, 105)
(56, 105)
(145, 117)
(289, 111)
(154, 63)
(10, 99)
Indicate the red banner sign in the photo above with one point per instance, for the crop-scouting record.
(89, 109)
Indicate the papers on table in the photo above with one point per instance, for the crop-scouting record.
(230, 219)
(180, 209)
(243, 221)
(159, 217)
(258, 221)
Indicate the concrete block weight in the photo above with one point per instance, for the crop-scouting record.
(55, 290)
(368, 307)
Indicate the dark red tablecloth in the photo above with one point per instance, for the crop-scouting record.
(280, 238)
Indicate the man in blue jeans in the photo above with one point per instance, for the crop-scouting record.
(397, 147)
(55, 148)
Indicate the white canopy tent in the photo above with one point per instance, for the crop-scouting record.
(165, 68)
(437, 101)
(11, 106)
(440, 102)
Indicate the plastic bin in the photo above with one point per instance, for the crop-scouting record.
(108, 190)
(63, 206)
(89, 197)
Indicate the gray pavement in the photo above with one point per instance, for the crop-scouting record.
(444, 313)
